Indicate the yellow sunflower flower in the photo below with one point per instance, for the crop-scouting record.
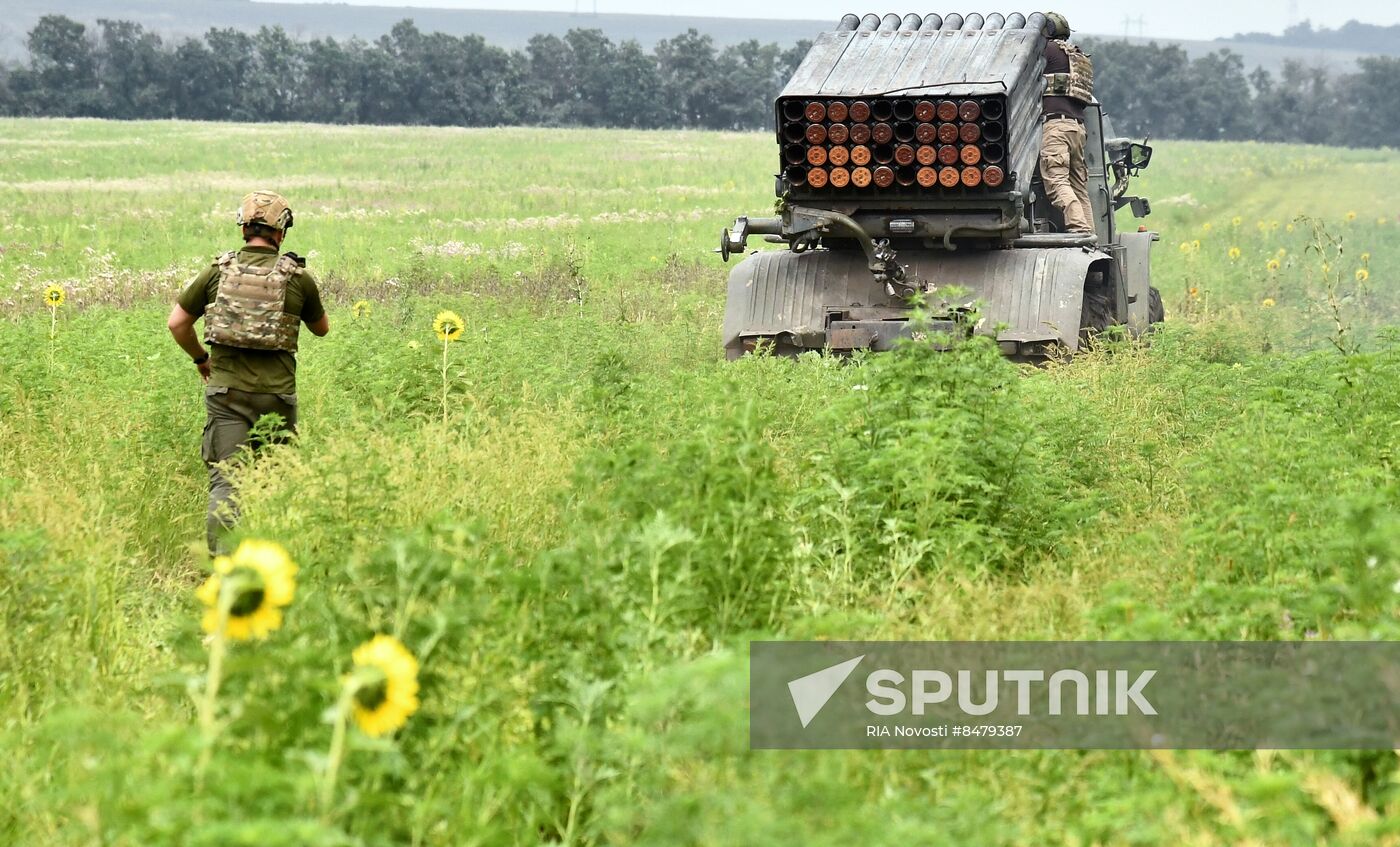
(1185, 247)
(1236, 221)
(1273, 265)
(387, 689)
(1194, 292)
(448, 326)
(1207, 227)
(1362, 274)
(1235, 254)
(54, 296)
(1351, 216)
(1268, 303)
(263, 578)
(1281, 253)
(360, 309)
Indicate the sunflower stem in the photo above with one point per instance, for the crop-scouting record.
(445, 342)
(337, 752)
(208, 703)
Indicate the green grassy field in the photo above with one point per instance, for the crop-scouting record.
(581, 548)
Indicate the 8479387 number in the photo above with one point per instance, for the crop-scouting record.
(988, 731)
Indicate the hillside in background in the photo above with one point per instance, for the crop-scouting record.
(1353, 35)
(315, 20)
(514, 29)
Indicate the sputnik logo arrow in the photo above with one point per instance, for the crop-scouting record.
(811, 692)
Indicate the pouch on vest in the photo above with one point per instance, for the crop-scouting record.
(248, 309)
(1078, 83)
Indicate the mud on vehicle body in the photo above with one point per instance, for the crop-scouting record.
(908, 155)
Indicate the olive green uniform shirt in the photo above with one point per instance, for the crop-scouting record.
(258, 371)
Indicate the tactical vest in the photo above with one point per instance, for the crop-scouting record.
(248, 309)
(1078, 83)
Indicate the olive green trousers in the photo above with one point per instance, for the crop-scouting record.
(1065, 173)
(233, 414)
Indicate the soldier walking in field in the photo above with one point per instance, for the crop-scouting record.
(253, 302)
(1069, 87)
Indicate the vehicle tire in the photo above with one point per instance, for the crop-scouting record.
(1156, 311)
(1096, 315)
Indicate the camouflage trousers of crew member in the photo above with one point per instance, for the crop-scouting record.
(1065, 173)
(233, 414)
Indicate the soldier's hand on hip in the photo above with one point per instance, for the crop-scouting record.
(203, 366)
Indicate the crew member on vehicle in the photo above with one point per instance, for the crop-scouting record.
(1069, 88)
(253, 302)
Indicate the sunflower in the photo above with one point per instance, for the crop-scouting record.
(263, 579)
(1351, 216)
(360, 309)
(387, 689)
(1362, 274)
(1235, 254)
(1268, 303)
(1273, 265)
(54, 296)
(1236, 221)
(448, 326)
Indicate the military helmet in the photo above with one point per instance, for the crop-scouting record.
(267, 208)
(1058, 25)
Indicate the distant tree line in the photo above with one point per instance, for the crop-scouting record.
(121, 70)
(1158, 90)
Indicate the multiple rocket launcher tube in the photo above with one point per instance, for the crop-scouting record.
(890, 144)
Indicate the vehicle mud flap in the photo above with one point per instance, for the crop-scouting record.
(1137, 279)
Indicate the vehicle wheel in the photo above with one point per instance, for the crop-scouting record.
(1156, 312)
(1096, 315)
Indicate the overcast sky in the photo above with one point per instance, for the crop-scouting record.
(1195, 19)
